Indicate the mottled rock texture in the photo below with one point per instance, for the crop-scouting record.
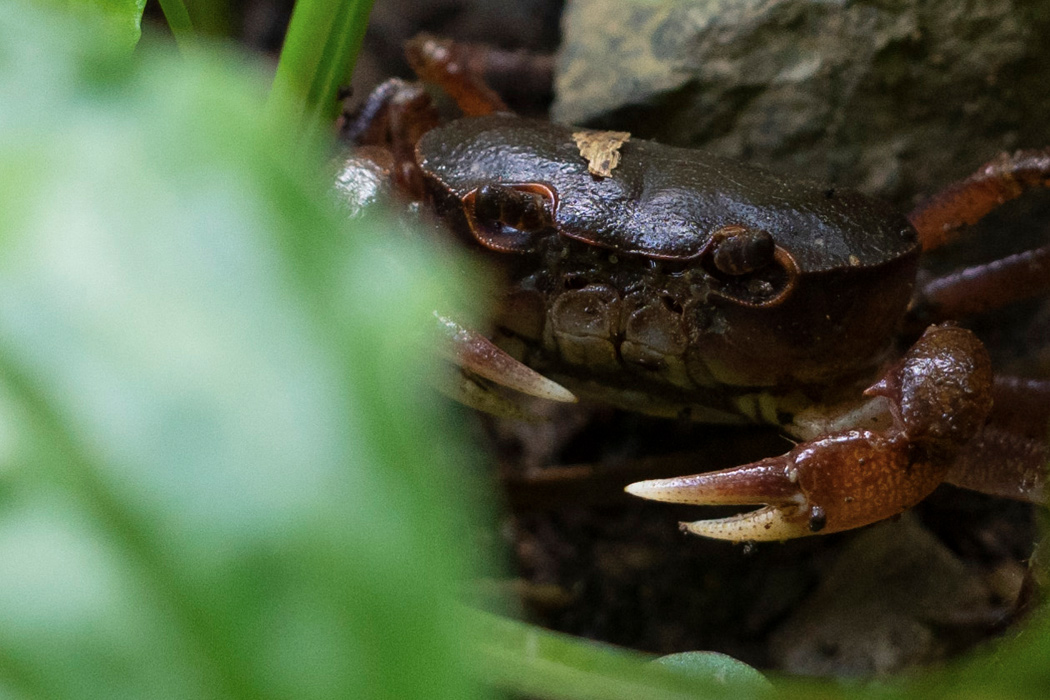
(896, 97)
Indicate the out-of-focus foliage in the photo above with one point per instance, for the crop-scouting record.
(118, 21)
(219, 476)
(534, 662)
(723, 669)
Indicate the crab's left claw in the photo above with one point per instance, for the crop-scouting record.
(938, 395)
(476, 353)
(474, 356)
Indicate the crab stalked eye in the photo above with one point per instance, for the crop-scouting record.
(739, 250)
(506, 217)
(751, 269)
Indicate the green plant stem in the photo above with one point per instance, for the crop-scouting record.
(178, 18)
(318, 58)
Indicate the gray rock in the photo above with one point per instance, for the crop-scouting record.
(895, 598)
(897, 97)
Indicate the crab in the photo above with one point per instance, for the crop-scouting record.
(671, 282)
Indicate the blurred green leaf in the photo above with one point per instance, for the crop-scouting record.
(218, 474)
(118, 21)
(711, 665)
(535, 662)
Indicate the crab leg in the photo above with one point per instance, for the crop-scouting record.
(982, 288)
(1009, 455)
(1003, 463)
(938, 396)
(941, 217)
(393, 118)
(448, 64)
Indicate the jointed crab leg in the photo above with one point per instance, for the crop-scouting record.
(986, 287)
(940, 218)
(1009, 455)
(1003, 463)
(447, 64)
(938, 396)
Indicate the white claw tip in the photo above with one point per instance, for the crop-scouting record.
(552, 391)
(666, 490)
(636, 489)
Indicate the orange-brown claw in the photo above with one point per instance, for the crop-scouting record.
(938, 397)
(835, 483)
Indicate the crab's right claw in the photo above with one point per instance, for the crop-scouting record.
(938, 396)
(837, 482)
(770, 481)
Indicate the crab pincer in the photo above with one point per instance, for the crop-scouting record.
(936, 398)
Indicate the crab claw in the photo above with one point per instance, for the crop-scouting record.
(476, 353)
(770, 481)
(938, 397)
(834, 483)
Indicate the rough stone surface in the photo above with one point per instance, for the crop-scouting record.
(897, 97)
(896, 597)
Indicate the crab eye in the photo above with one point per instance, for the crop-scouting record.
(750, 268)
(505, 217)
(739, 250)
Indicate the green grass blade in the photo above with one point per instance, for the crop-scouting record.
(318, 57)
(119, 22)
(178, 18)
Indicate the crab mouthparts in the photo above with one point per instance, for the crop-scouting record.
(771, 482)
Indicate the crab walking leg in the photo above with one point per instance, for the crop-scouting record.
(448, 64)
(390, 123)
(938, 395)
(941, 217)
(1003, 463)
(1010, 455)
(986, 287)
